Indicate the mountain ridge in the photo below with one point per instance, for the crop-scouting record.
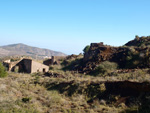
(23, 49)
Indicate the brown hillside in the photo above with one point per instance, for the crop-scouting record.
(22, 49)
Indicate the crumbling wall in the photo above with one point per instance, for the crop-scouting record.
(54, 60)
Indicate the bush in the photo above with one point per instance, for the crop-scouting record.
(104, 68)
(137, 37)
(133, 60)
(86, 49)
(3, 72)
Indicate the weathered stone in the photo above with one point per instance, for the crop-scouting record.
(99, 53)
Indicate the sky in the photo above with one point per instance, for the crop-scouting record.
(69, 25)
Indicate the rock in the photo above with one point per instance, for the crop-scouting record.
(124, 56)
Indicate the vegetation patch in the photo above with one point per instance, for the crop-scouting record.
(105, 68)
(3, 72)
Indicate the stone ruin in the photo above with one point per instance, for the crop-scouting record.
(25, 65)
(54, 60)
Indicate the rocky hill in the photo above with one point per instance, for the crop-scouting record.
(134, 54)
(139, 41)
(22, 49)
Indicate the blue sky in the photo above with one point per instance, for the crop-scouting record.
(69, 25)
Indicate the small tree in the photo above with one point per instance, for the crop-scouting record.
(86, 49)
(3, 72)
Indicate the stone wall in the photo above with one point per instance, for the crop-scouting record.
(29, 66)
(38, 67)
(24, 66)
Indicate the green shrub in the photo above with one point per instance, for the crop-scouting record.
(3, 72)
(72, 64)
(104, 68)
(133, 60)
(86, 49)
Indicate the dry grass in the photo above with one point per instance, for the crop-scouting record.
(16, 87)
(24, 93)
(20, 94)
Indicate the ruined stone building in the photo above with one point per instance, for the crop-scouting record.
(27, 66)
(49, 61)
(54, 60)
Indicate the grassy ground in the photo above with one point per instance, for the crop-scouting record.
(72, 93)
(25, 93)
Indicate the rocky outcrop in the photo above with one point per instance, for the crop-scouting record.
(99, 53)
(139, 41)
(124, 56)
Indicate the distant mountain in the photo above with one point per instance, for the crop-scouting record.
(3, 52)
(22, 49)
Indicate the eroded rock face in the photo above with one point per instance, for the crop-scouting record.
(99, 53)
(125, 57)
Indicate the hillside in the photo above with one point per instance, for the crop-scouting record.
(139, 42)
(106, 79)
(22, 49)
(35, 93)
(133, 55)
(3, 52)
